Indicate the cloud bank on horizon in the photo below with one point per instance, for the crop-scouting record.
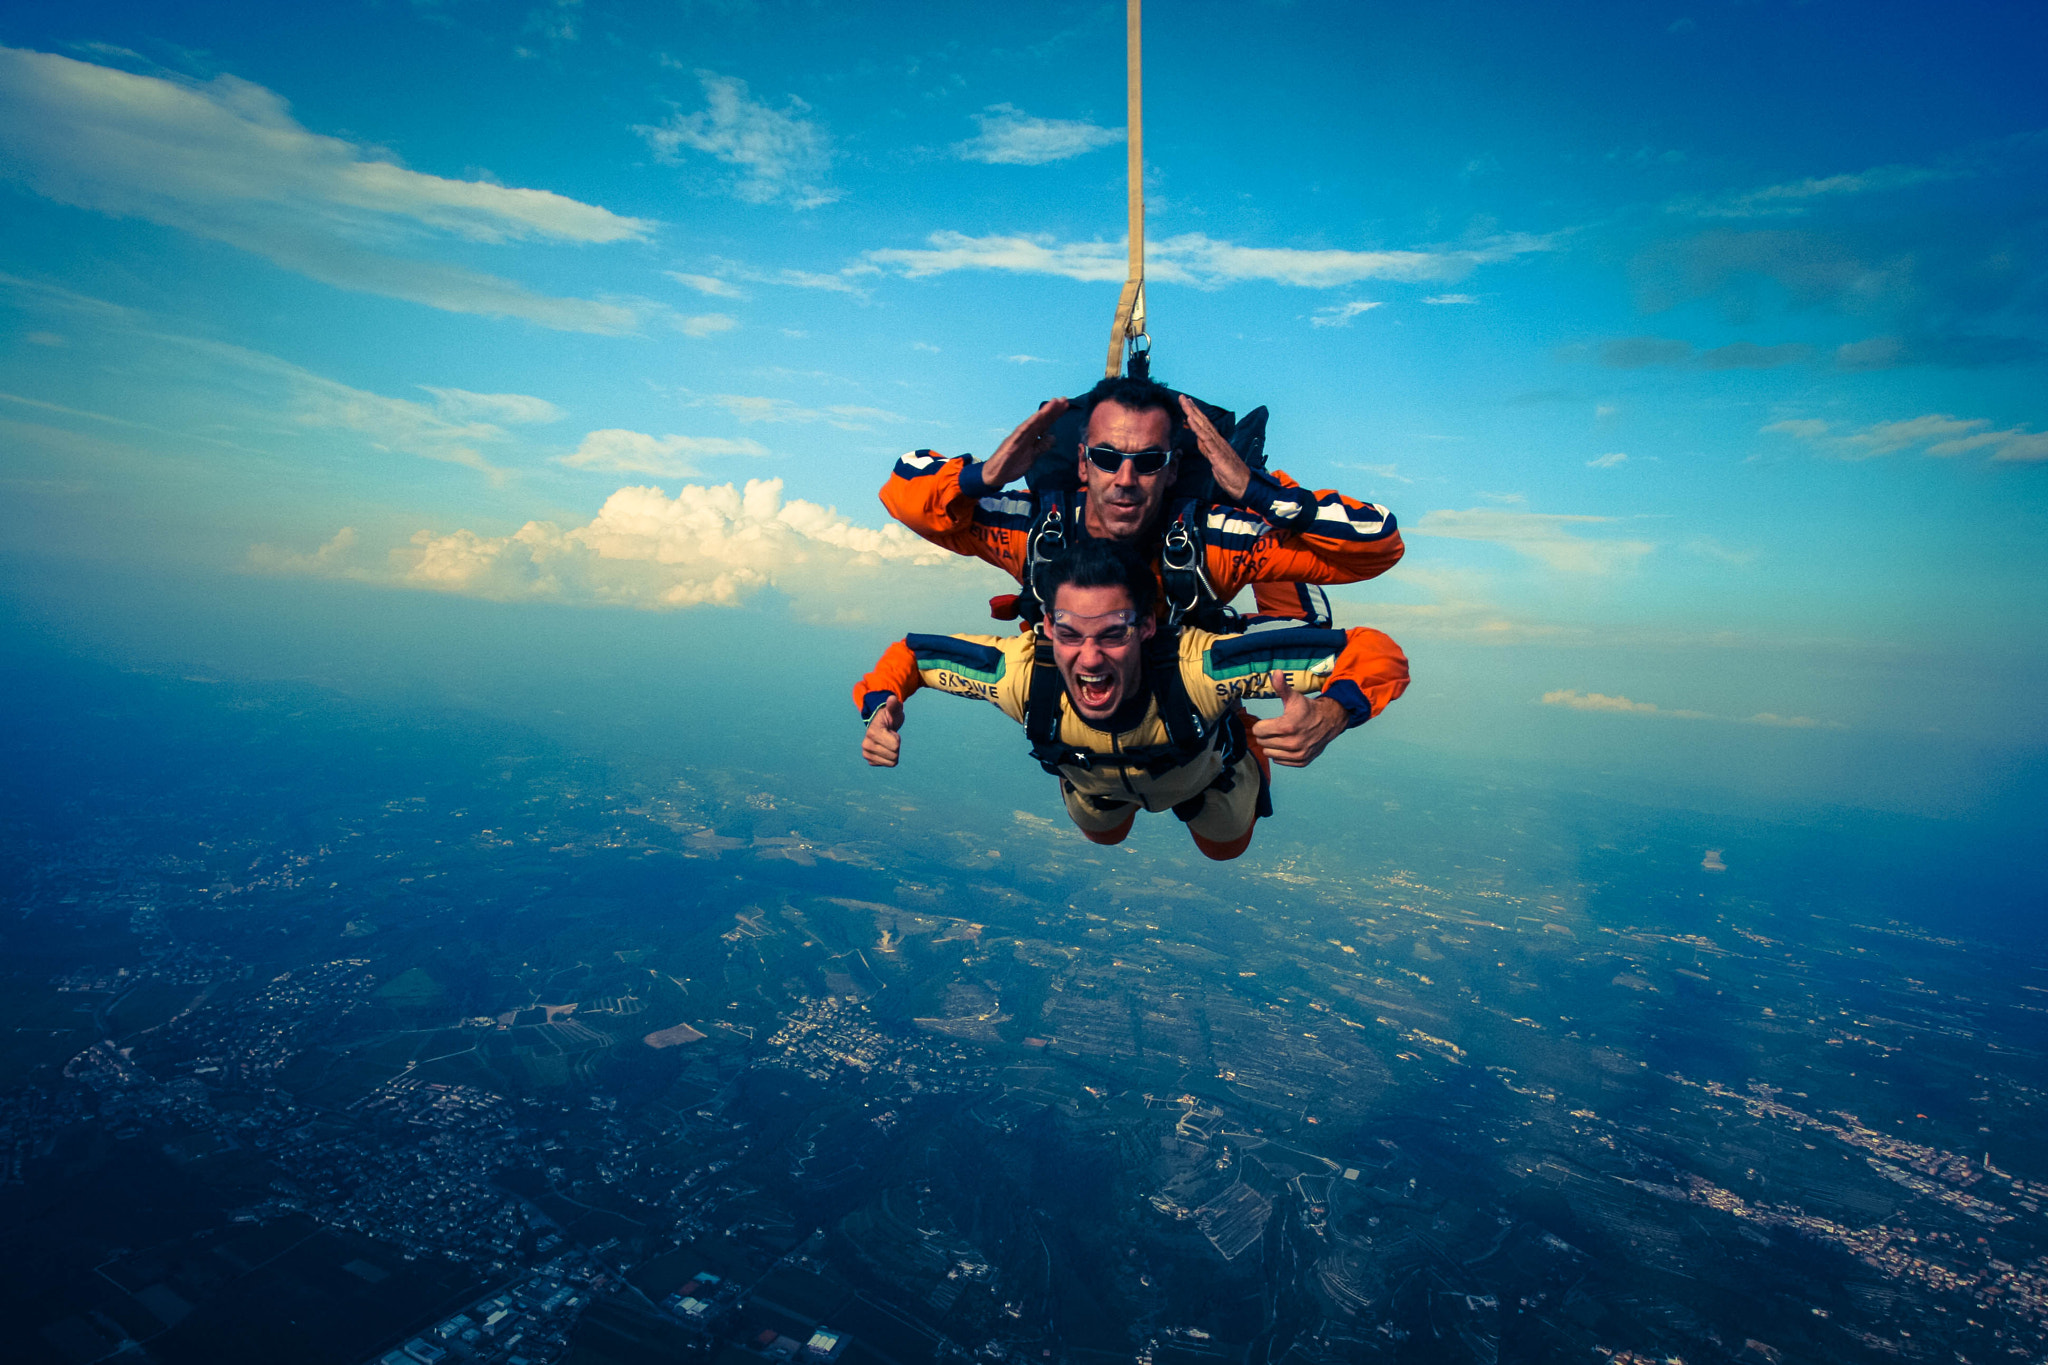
(1671, 365)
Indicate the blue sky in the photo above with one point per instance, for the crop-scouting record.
(1697, 347)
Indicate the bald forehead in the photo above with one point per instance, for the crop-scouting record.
(1128, 428)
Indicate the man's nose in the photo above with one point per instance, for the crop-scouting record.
(1127, 473)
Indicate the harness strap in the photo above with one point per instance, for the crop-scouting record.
(1046, 542)
(1042, 709)
(1188, 736)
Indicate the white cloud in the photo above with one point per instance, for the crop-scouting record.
(1548, 538)
(1384, 471)
(1459, 605)
(391, 424)
(706, 284)
(1806, 428)
(1340, 315)
(516, 409)
(1709, 548)
(332, 560)
(635, 452)
(1452, 298)
(1009, 136)
(1597, 701)
(1193, 258)
(224, 159)
(845, 416)
(45, 339)
(836, 282)
(704, 324)
(1796, 197)
(1027, 359)
(556, 21)
(781, 156)
(707, 546)
(1608, 461)
(1936, 433)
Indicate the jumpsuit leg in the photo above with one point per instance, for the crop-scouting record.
(1107, 823)
(1223, 828)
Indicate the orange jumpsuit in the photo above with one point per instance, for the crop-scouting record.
(1347, 541)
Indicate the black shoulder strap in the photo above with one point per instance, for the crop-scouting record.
(1042, 709)
(1184, 725)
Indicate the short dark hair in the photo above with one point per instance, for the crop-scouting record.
(1092, 563)
(1139, 395)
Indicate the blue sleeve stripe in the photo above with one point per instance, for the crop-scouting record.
(1304, 642)
(919, 463)
(1351, 697)
(1336, 519)
(983, 663)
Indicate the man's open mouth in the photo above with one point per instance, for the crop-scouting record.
(1094, 691)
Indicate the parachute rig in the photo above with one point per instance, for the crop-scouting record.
(1193, 502)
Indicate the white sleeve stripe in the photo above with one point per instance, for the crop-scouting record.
(1361, 520)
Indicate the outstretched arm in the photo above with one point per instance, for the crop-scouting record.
(1317, 536)
(879, 695)
(993, 668)
(957, 504)
(1356, 674)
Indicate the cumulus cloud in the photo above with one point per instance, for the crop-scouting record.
(618, 451)
(1340, 315)
(224, 159)
(1936, 433)
(1551, 539)
(780, 156)
(1194, 258)
(1011, 137)
(707, 546)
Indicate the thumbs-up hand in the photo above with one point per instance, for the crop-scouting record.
(882, 744)
(1302, 730)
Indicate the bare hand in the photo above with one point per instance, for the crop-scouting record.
(1014, 457)
(883, 742)
(1233, 475)
(1301, 731)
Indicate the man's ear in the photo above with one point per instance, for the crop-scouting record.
(1148, 627)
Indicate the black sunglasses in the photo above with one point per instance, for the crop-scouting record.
(1109, 459)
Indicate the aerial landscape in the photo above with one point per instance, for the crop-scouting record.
(476, 887)
(509, 1055)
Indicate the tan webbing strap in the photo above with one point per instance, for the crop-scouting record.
(1130, 305)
